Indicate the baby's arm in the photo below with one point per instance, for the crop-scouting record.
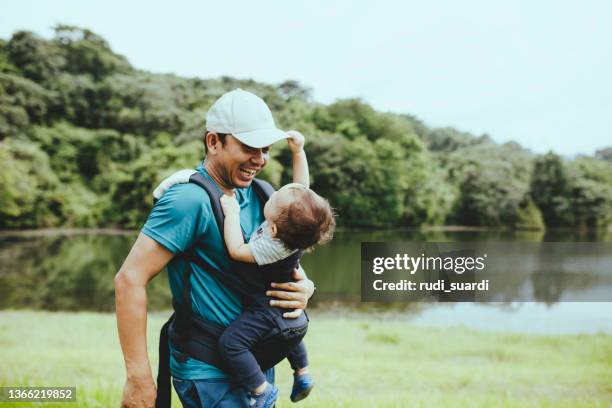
(300, 164)
(181, 176)
(238, 250)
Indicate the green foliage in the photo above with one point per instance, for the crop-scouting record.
(550, 188)
(390, 178)
(376, 186)
(429, 196)
(590, 195)
(25, 182)
(85, 137)
(273, 172)
(449, 139)
(87, 53)
(292, 89)
(577, 193)
(352, 186)
(36, 58)
(493, 184)
(350, 118)
(529, 216)
(22, 102)
(130, 195)
(6, 66)
(604, 154)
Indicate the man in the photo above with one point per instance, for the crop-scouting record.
(240, 129)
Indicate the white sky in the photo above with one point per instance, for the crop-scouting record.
(537, 72)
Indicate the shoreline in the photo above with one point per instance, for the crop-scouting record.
(421, 320)
(43, 232)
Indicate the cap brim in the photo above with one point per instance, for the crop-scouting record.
(261, 138)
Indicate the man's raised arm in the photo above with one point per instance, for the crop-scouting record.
(145, 260)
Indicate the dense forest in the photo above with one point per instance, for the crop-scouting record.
(85, 137)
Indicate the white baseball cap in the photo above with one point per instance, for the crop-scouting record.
(246, 116)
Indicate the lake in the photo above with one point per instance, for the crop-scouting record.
(74, 270)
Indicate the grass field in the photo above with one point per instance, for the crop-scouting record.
(356, 362)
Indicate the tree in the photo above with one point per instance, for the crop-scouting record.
(130, 195)
(291, 89)
(449, 139)
(36, 58)
(590, 182)
(87, 53)
(550, 190)
(604, 154)
(22, 102)
(492, 183)
(26, 186)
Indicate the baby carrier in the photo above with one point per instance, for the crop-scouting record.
(192, 336)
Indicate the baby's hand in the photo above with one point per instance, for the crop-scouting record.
(230, 205)
(296, 141)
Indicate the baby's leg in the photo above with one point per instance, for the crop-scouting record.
(235, 348)
(298, 358)
(302, 381)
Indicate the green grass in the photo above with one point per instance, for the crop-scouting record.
(357, 362)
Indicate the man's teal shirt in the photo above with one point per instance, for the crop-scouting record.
(181, 219)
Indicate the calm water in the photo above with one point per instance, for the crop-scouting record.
(74, 271)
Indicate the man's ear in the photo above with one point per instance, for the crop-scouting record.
(273, 229)
(212, 142)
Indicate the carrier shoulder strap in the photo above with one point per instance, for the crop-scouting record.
(262, 188)
(231, 280)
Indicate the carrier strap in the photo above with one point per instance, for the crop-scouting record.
(163, 371)
(262, 188)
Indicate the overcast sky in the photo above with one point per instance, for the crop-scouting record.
(537, 72)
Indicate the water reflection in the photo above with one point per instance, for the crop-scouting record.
(75, 271)
(66, 272)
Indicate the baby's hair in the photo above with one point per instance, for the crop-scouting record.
(306, 222)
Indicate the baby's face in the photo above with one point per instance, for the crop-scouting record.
(280, 199)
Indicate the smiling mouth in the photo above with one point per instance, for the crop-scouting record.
(248, 172)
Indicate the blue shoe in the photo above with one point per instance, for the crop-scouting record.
(264, 400)
(302, 385)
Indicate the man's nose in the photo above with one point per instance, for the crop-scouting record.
(259, 157)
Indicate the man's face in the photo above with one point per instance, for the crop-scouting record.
(239, 163)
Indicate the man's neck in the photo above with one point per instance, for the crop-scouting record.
(214, 174)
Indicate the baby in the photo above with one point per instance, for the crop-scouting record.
(296, 219)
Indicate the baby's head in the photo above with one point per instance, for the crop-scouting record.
(299, 217)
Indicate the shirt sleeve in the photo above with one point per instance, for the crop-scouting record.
(180, 216)
(180, 177)
(267, 250)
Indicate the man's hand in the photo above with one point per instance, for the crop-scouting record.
(296, 141)
(292, 295)
(139, 393)
(230, 204)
